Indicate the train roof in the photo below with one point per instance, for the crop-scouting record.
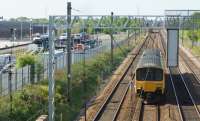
(150, 58)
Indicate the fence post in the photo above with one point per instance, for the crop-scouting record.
(56, 63)
(128, 38)
(63, 60)
(135, 36)
(22, 77)
(111, 36)
(32, 74)
(10, 88)
(16, 79)
(28, 73)
(1, 86)
(44, 66)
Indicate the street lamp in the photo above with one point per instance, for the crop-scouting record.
(12, 30)
(21, 30)
(30, 29)
(14, 35)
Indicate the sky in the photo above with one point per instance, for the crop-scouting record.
(43, 8)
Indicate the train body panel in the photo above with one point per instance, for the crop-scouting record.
(150, 87)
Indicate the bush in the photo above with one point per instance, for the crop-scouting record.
(26, 59)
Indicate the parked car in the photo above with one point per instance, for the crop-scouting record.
(6, 60)
(79, 47)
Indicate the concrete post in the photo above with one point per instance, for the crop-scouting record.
(51, 109)
(68, 49)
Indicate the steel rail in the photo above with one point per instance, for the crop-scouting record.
(190, 68)
(177, 100)
(100, 111)
(137, 113)
(140, 114)
(121, 103)
(157, 112)
(191, 97)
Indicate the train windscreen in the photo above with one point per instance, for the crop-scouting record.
(149, 74)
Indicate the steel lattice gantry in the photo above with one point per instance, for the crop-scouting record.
(128, 22)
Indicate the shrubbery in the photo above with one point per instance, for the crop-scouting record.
(26, 59)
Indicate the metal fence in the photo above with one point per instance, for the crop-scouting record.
(20, 77)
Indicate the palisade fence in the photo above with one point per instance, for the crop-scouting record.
(31, 74)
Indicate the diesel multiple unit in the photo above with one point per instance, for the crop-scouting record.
(149, 74)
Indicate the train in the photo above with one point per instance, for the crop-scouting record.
(150, 75)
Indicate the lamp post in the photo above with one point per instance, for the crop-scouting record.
(43, 29)
(21, 30)
(10, 71)
(30, 29)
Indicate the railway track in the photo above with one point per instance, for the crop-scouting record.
(121, 103)
(191, 66)
(110, 109)
(150, 113)
(188, 110)
(145, 112)
(112, 105)
(191, 76)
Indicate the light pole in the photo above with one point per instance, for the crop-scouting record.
(14, 30)
(43, 29)
(21, 30)
(10, 71)
(30, 29)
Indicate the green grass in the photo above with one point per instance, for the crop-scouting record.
(34, 97)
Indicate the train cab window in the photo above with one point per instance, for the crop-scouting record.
(149, 74)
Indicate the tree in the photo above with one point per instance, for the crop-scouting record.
(193, 36)
(24, 19)
(40, 21)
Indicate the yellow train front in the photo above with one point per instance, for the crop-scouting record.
(149, 76)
